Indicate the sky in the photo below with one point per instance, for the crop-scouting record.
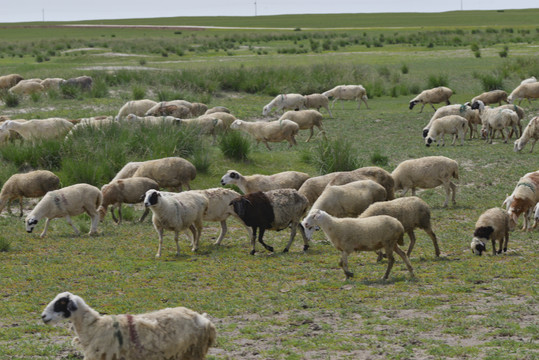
(72, 10)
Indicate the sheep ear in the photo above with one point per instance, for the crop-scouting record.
(71, 306)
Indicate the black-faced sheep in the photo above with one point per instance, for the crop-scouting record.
(172, 333)
(348, 92)
(306, 120)
(285, 102)
(493, 224)
(170, 172)
(432, 96)
(451, 124)
(252, 183)
(273, 131)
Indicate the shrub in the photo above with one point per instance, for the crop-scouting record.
(99, 89)
(404, 69)
(5, 244)
(44, 154)
(504, 52)
(138, 92)
(235, 146)
(437, 80)
(490, 82)
(336, 155)
(35, 96)
(201, 160)
(70, 91)
(10, 99)
(378, 159)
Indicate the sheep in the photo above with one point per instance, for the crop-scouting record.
(206, 125)
(177, 212)
(273, 131)
(464, 110)
(535, 215)
(432, 96)
(82, 82)
(524, 197)
(8, 81)
(348, 92)
(198, 109)
(52, 83)
(360, 234)
(5, 135)
(316, 101)
(217, 109)
(493, 224)
(26, 87)
(171, 333)
(178, 111)
(285, 102)
(151, 120)
(313, 187)
(349, 200)
(306, 119)
(128, 170)
(374, 173)
(170, 172)
(451, 124)
(34, 130)
(252, 183)
(225, 117)
(427, 172)
(272, 210)
(66, 202)
(520, 113)
(495, 119)
(412, 212)
(127, 191)
(31, 185)
(528, 80)
(530, 132)
(524, 91)
(137, 107)
(95, 122)
(492, 97)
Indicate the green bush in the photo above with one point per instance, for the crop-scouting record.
(437, 80)
(504, 52)
(10, 99)
(45, 154)
(334, 155)
(139, 92)
(490, 82)
(378, 159)
(5, 244)
(99, 89)
(235, 146)
(70, 91)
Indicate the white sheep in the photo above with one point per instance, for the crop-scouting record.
(129, 191)
(66, 202)
(206, 125)
(524, 91)
(226, 118)
(252, 183)
(493, 224)
(520, 113)
(313, 187)
(198, 109)
(306, 120)
(285, 102)
(427, 172)
(177, 213)
(151, 120)
(412, 212)
(127, 170)
(317, 101)
(95, 122)
(496, 119)
(35, 130)
(374, 173)
(432, 96)
(31, 185)
(172, 333)
(360, 234)
(348, 92)
(170, 172)
(137, 107)
(523, 199)
(273, 131)
(535, 215)
(529, 80)
(162, 109)
(27, 87)
(530, 132)
(492, 97)
(8, 81)
(464, 110)
(52, 83)
(451, 124)
(217, 109)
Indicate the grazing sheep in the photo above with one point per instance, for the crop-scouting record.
(524, 91)
(427, 173)
(137, 107)
(273, 131)
(313, 187)
(496, 119)
(66, 202)
(524, 197)
(225, 117)
(31, 185)
(128, 170)
(451, 124)
(8, 81)
(535, 215)
(82, 82)
(412, 212)
(27, 87)
(172, 333)
(360, 234)
(178, 111)
(206, 125)
(520, 113)
(252, 183)
(432, 96)
(272, 210)
(306, 119)
(528, 80)
(170, 172)
(374, 173)
(177, 212)
(95, 122)
(127, 191)
(151, 120)
(216, 109)
(52, 83)
(465, 111)
(316, 101)
(491, 97)
(198, 109)
(35, 130)
(530, 132)
(493, 224)
(285, 102)
(348, 92)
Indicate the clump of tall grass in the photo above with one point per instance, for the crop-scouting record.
(139, 92)
(436, 80)
(10, 99)
(334, 155)
(490, 82)
(70, 91)
(5, 244)
(45, 154)
(378, 159)
(99, 89)
(235, 146)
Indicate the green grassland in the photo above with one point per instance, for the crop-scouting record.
(278, 306)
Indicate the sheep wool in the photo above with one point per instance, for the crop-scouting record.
(374, 173)
(306, 120)
(432, 96)
(136, 107)
(348, 92)
(493, 224)
(316, 101)
(285, 102)
(170, 172)
(252, 183)
(273, 131)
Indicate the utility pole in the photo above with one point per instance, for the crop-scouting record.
(255, 7)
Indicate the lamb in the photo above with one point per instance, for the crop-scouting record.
(178, 212)
(524, 197)
(348, 92)
(171, 333)
(412, 212)
(128, 170)
(285, 102)
(34, 130)
(170, 172)
(26, 87)
(432, 96)
(160, 109)
(31, 185)
(66, 202)
(127, 191)
(374, 173)
(206, 125)
(252, 183)
(52, 83)
(272, 210)
(524, 91)
(316, 101)
(495, 119)
(427, 172)
(349, 200)
(313, 187)
(82, 82)
(530, 132)
(456, 109)
(520, 113)
(8, 81)
(451, 124)
(360, 234)
(137, 107)
(491, 97)
(273, 131)
(493, 224)
(217, 109)
(306, 119)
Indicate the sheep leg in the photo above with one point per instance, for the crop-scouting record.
(411, 235)
(401, 253)
(305, 239)
(434, 242)
(506, 238)
(114, 216)
(434, 107)
(266, 143)
(344, 265)
(45, 228)
(95, 221)
(454, 190)
(365, 101)
(222, 233)
(493, 246)
(423, 105)
(253, 240)
(310, 136)
(533, 144)
(146, 212)
(194, 239)
(261, 240)
(176, 236)
(390, 262)
(329, 111)
(160, 235)
(293, 230)
(68, 219)
(20, 207)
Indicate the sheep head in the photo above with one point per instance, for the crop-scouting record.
(31, 222)
(310, 222)
(63, 305)
(477, 246)
(231, 177)
(151, 197)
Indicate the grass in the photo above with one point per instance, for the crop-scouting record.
(277, 306)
